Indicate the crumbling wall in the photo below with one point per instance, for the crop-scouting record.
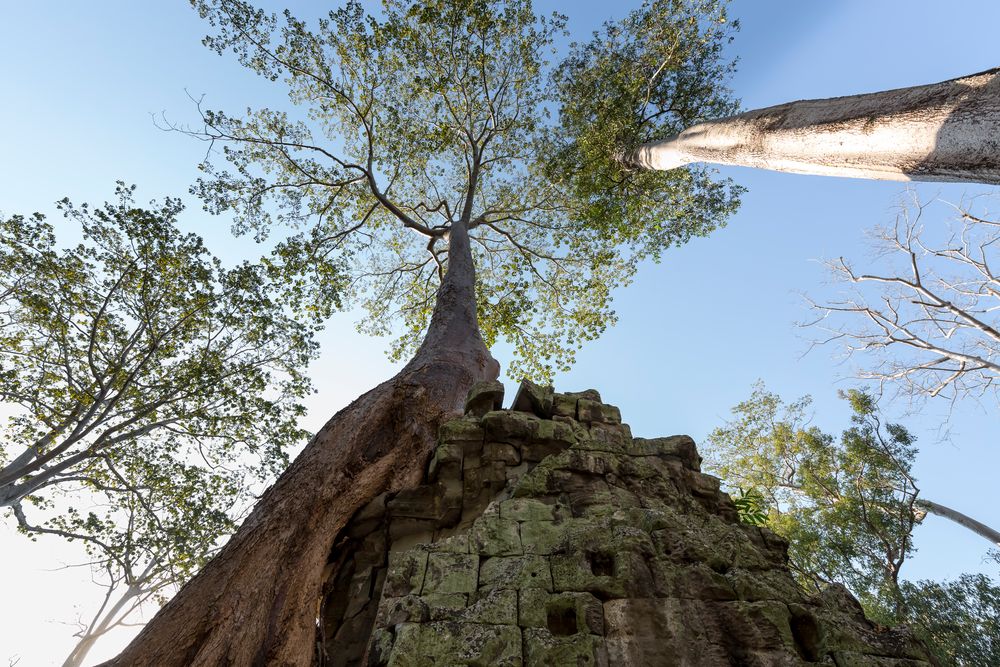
(548, 535)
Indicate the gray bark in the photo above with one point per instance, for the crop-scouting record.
(978, 528)
(948, 131)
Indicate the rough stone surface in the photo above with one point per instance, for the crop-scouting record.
(484, 397)
(533, 398)
(550, 536)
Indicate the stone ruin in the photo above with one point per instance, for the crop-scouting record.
(547, 535)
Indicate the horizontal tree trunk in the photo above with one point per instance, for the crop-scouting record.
(256, 602)
(947, 131)
(978, 528)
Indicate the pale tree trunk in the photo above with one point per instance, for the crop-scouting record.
(963, 520)
(255, 603)
(106, 619)
(947, 131)
(97, 628)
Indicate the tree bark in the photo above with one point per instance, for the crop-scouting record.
(255, 603)
(978, 528)
(948, 131)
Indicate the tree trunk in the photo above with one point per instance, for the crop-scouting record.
(980, 529)
(256, 602)
(947, 131)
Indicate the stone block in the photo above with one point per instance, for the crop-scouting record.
(510, 427)
(407, 609)
(496, 607)
(764, 585)
(515, 572)
(484, 397)
(703, 486)
(537, 451)
(557, 433)
(495, 536)
(413, 530)
(543, 649)
(368, 518)
(531, 509)
(451, 573)
(669, 631)
(694, 581)
(614, 437)
(533, 398)
(541, 537)
(456, 544)
(681, 447)
(589, 394)
(502, 452)
(445, 606)
(572, 612)
(446, 461)
(590, 411)
(564, 405)
(405, 574)
(419, 503)
(465, 431)
(453, 643)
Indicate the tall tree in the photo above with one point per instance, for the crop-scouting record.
(848, 509)
(937, 132)
(146, 379)
(427, 167)
(927, 321)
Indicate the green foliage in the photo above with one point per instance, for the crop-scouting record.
(143, 377)
(435, 113)
(959, 620)
(848, 509)
(751, 506)
(648, 77)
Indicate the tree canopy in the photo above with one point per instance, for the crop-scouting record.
(145, 381)
(420, 116)
(848, 509)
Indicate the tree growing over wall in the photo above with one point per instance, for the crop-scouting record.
(433, 166)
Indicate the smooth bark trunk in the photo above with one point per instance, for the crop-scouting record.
(963, 520)
(947, 131)
(256, 602)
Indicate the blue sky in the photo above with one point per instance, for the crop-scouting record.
(81, 81)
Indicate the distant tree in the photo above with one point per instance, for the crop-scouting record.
(848, 508)
(144, 378)
(145, 544)
(959, 620)
(929, 321)
(435, 163)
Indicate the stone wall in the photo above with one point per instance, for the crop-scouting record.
(547, 535)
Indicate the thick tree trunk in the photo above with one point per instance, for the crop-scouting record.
(947, 131)
(978, 528)
(256, 602)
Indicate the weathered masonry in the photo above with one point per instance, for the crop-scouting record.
(547, 535)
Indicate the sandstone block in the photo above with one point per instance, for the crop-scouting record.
(451, 573)
(533, 398)
(405, 573)
(516, 572)
(484, 397)
(494, 536)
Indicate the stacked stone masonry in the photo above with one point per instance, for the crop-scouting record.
(547, 535)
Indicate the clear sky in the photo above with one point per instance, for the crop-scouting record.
(79, 82)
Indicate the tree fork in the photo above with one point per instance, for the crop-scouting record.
(948, 131)
(255, 602)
